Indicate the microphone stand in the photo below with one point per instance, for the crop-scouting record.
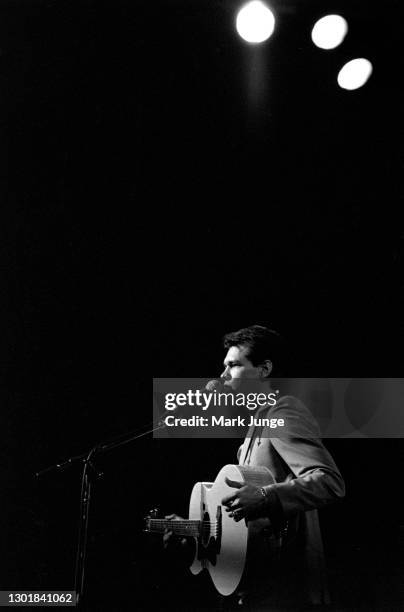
(89, 471)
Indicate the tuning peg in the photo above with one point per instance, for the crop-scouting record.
(152, 514)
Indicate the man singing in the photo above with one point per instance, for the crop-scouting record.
(306, 477)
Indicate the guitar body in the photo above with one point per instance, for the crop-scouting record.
(236, 554)
(226, 547)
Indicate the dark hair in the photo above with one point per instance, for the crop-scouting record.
(263, 343)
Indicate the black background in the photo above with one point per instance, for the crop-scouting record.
(165, 183)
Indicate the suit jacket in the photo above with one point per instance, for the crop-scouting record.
(307, 478)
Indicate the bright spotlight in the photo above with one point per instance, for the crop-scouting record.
(329, 31)
(355, 73)
(255, 22)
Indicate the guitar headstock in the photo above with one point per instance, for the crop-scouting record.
(153, 514)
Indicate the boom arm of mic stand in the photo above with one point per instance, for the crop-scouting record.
(86, 482)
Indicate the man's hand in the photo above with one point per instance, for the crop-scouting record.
(182, 549)
(247, 502)
(169, 537)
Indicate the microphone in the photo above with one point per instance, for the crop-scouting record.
(210, 387)
(213, 385)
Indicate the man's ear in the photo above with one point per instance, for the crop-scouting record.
(266, 368)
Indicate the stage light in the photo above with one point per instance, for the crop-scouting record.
(255, 22)
(329, 31)
(355, 73)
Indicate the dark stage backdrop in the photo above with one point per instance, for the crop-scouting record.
(164, 183)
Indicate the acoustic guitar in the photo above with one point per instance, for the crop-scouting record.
(231, 551)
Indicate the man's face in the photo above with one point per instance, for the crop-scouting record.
(239, 372)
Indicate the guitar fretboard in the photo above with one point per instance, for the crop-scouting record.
(183, 528)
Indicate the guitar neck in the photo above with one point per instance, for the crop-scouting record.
(181, 528)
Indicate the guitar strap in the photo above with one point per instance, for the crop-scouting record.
(251, 436)
(247, 454)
